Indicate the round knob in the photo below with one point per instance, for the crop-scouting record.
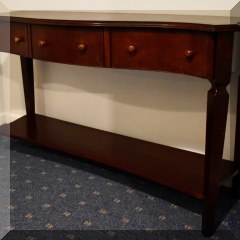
(189, 54)
(131, 49)
(42, 43)
(18, 39)
(82, 47)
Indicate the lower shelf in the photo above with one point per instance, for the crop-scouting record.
(179, 169)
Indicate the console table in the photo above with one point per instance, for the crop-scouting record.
(192, 45)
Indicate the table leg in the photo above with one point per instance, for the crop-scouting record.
(216, 125)
(236, 179)
(236, 185)
(28, 84)
(217, 108)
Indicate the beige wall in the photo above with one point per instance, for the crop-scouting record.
(235, 11)
(4, 81)
(206, 5)
(4, 88)
(159, 107)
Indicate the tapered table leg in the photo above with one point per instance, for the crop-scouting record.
(28, 84)
(28, 87)
(217, 108)
(236, 179)
(216, 124)
(236, 186)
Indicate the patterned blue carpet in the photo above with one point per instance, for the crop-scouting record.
(64, 194)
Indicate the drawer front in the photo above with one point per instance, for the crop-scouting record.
(173, 51)
(14, 38)
(80, 46)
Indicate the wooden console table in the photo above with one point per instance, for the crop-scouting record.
(192, 45)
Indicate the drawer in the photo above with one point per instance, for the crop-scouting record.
(14, 39)
(173, 51)
(80, 46)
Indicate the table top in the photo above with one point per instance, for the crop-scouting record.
(118, 19)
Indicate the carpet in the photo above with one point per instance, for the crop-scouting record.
(58, 196)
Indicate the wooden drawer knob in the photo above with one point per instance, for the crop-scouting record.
(82, 47)
(131, 49)
(189, 54)
(42, 43)
(18, 39)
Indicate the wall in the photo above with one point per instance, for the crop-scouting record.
(4, 82)
(204, 5)
(235, 11)
(159, 107)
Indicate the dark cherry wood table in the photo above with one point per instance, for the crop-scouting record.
(192, 45)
